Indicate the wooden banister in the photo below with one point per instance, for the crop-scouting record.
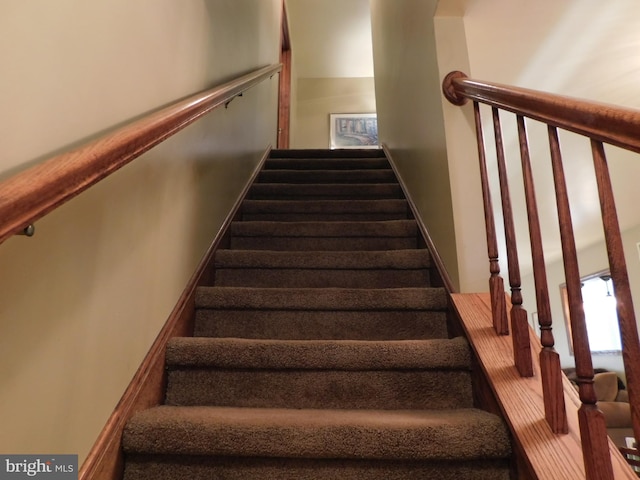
(31, 194)
(600, 123)
(607, 123)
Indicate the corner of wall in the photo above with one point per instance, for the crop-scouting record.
(464, 176)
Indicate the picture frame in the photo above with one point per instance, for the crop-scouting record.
(353, 130)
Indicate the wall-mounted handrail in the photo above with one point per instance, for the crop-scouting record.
(31, 194)
(600, 123)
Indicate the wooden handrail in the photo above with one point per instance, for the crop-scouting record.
(31, 194)
(600, 123)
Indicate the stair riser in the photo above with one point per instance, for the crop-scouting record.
(316, 278)
(157, 468)
(326, 176)
(299, 244)
(393, 229)
(285, 191)
(166, 467)
(385, 390)
(320, 211)
(326, 164)
(297, 325)
(326, 217)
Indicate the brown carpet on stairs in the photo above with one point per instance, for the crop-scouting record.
(321, 351)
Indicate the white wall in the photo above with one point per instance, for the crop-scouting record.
(82, 301)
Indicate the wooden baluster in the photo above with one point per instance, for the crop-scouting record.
(618, 267)
(593, 432)
(519, 321)
(554, 406)
(496, 283)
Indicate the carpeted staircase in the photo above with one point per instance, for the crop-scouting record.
(321, 351)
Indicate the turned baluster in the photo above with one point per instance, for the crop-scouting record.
(618, 268)
(550, 371)
(519, 322)
(496, 283)
(593, 432)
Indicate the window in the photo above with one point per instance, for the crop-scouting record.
(600, 314)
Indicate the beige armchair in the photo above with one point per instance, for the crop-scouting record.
(613, 401)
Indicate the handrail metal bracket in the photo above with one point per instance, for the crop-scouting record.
(28, 231)
(226, 105)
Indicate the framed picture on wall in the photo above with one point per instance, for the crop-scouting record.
(353, 130)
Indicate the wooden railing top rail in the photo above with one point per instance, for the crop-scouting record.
(31, 194)
(600, 121)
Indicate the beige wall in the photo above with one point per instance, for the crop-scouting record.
(82, 301)
(332, 66)
(316, 98)
(410, 115)
(464, 172)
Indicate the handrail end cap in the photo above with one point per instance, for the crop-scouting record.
(448, 88)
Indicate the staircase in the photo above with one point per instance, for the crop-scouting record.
(321, 351)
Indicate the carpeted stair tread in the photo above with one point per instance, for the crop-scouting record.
(460, 434)
(320, 191)
(321, 269)
(321, 298)
(326, 163)
(327, 176)
(321, 325)
(318, 354)
(390, 228)
(319, 374)
(383, 389)
(358, 260)
(323, 235)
